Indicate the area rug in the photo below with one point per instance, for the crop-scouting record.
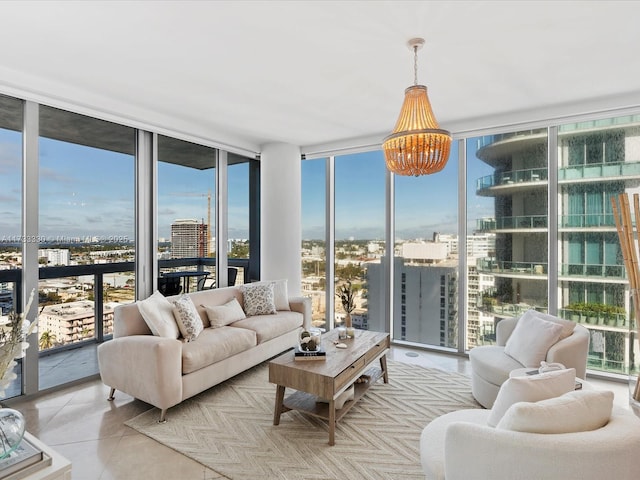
(229, 428)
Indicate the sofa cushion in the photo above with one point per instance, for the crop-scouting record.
(271, 326)
(576, 411)
(214, 345)
(567, 325)
(258, 299)
(280, 293)
(187, 317)
(531, 388)
(157, 313)
(222, 315)
(531, 340)
(492, 364)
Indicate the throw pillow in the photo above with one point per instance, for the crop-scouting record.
(221, 315)
(187, 317)
(567, 325)
(258, 299)
(531, 340)
(577, 411)
(157, 313)
(280, 293)
(531, 388)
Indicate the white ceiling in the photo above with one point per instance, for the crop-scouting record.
(319, 74)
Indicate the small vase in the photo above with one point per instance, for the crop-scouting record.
(12, 426)
(347, 320)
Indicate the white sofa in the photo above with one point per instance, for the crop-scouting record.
(490, 365)
(165, 371)
(460, 446)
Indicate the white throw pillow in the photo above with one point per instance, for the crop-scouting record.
(187, 317)
(258, 299)
(280, 293)
(157, 313)
(577, 411)
(221, 315)
(531, 340)
(567, 325)
(531, 388)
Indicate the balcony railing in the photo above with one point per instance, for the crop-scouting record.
(612, 320)
(512, 223)
(587, 220)
(511, 177)
(499, 266)
(100, 330)
(593, 270)
(599, 170)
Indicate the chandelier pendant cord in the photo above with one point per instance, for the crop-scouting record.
(415, 65)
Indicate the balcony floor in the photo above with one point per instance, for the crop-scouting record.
(78, 421)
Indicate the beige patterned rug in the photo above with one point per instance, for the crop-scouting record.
(229, 428)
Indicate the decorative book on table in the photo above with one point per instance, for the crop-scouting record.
(24, 460)
(302, 355)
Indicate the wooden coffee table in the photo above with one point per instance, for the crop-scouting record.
(328, 378)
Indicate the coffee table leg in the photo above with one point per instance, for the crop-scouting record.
(383, 366)
(278, 409)
(332, 422)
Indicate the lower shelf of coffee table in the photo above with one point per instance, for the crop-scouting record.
(308, 403)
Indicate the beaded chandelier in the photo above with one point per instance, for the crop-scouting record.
(417, 145)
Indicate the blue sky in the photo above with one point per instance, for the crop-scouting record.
(424, 204)
(87, 192)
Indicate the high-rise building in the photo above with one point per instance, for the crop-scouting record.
(54, 256)
(189, 239)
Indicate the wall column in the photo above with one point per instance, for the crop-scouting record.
(280, 215)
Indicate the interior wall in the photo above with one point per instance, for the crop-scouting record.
(280, 215)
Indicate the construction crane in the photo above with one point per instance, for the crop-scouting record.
(208, 195)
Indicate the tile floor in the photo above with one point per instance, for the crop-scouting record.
(78, 422)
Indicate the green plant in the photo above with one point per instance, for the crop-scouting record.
(347, 298)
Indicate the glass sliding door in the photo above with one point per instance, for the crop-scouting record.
(186, 215)
(86, 236)
(425, 283)
(11, 121)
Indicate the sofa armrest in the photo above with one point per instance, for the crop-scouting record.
(303, 306)
(572, 351)
(478, 451)
(144, 366)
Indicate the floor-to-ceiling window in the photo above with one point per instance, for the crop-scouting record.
(425, 282)
(507, 211)
(239, 216)
(11, 119)
(597, 161)
(314, 232)
(86, 232)
(360, 236)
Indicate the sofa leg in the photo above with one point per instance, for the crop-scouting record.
(112, 394)
(163, 414)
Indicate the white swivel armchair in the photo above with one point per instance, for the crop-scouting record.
(490, 365)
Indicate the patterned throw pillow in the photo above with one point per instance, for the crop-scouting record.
(187, 317)
(258, 299)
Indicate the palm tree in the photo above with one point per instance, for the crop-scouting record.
(47, 340)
